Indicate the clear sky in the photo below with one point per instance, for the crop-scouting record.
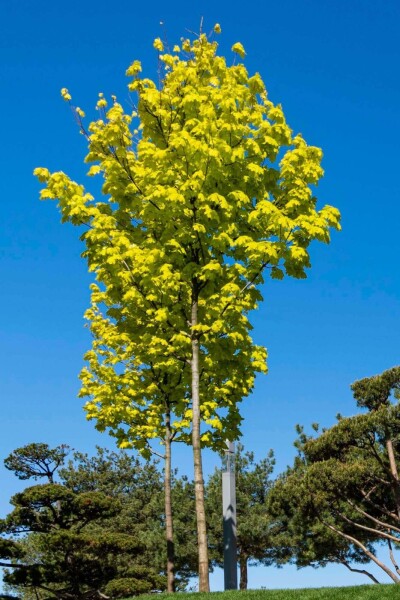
(333, 64)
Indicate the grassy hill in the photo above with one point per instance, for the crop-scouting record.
(361, 592)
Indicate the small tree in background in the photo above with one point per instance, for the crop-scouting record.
(69, 559)
(138, 488)
(209, 192)
(67, 542)
(35, 461)
(136, 404)
(341, 498)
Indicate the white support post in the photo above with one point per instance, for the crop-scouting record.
(229, 518)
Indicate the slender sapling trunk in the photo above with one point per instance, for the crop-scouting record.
(243, 572)
(169, 529)
(395, 474)
(204, 584)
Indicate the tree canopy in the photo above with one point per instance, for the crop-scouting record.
(137, 486)
(36, 461)
(206, 189)
(88, 535)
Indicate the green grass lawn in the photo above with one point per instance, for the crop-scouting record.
(361, 592)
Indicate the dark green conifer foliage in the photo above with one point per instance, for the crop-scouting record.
(35, 461)
(61, 546)
(342, 497)
(138, 486)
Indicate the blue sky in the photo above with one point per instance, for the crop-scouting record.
(334, 67)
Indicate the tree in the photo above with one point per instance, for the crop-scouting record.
(70, 560)
(341, 499)
(72, 541)
(36, 461)
(211, 191)
(135, 404)
(303, 537)
(255, 527)
(137, 487)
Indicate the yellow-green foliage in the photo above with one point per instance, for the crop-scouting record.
(205, 189)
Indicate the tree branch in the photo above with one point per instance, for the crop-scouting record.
(381, 509)
(387, 536)
(374, 519)
(362, 571)
(367, 552)
(392, 558)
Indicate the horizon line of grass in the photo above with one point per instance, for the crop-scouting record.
(358, 592)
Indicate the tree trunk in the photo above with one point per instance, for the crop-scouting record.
(169, 529)
(392, 558)
(204, 584)
(243, 572)
(395, 474)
